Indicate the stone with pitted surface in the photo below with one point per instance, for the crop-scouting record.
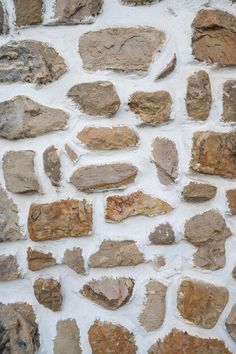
(9, 269)
(163, 234)
(67, 339)
(48, 293)
(38, 260)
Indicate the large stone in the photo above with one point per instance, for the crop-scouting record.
(214, 37)
(48, 293)
(116, 253)
(67, 339)
(169, 68)
(95, 178)
(201, 303)
(208, 232)
(65, 218)
(22, 117)
(30, 61)
(198, 192)
(19, 171)
(119, 207)
(231, 198)
(229, 101)
(38, 260)
(126, 49)
(230, 322)
(19, 330)
(52, 165)
(105, 337)
(28, 12)
(151, 107)
(9, 268)
(163, 234)
(111, 293)
(214, 153)
(74, 260)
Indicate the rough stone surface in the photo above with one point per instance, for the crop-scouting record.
(214, 37)
(71, 153)
(65, 218)
(231, 198)
(230, 323)
(214, 153)
(126, 49)
(19, 171)
(208, 232)
(169, 68)
(201, 303)
(8, 268)
(22, 117)
(116, 253)
(52, 165)
(111, 293)
(30, 61)
(38, 260)
(159, 262)
(198, 192)
(151, 107)
(67, 339)
(163, 234)
(234, 272)
(28, 12)
(229, 101)
(74, 260)
(48, 293)
(3, 25)
(95, 178)
(97, 98)
(153, 314)
(137, 2)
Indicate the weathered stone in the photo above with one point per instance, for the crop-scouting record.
(201, 303)
(71, 153)
(38, 260)
(214, 37)
(170, 67)
(52, 165)
(230, 322)
(126, 49)
(28, 12)
(48, 293)
(229, 101)
(234, 272)
(19, 331)
(22, 117)
(208, 232)
(163, 234)
(95, 178)
(19, 171)
(199, 98)
(30, 61)
(67, 339)
(153, 314)
(8, 268)
(116, 253)
(214, 153)
(115, 138)
(198, 192)
(74, 260)
(105, 337)
(165, 157)
(111, 293)
(3, 20)
(159, 262)
(65, 218)
(137, 2)
(151, 107)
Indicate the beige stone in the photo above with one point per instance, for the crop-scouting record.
(71, 153)
(230, 323)
(168, 69)
(67, 339)
(9, 269)
(231, 198)
(234, 272)
(38, 260)
(159, 262)
(74, 260)
(52, 165)
(198, 192)
(28, 12)
(163, 234)
(48, 293)
(229, 101)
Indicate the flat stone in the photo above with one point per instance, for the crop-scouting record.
(38, 260)
(105, 337)
(28, 15)
(30, 61)
(22, 117)
(163, 234)
(231, 198)
(9, 268)
(116, 253)
(71, 153)
(48, 293)
(110, 293)
(65, 218)
(95, 178)
(230, 323)
(169, 68)
(119, 48)
(199, 98)
(214, 37)
(229, 101)
(119, 207)
(52, 165)
(214, 153)
(137, 2)
(201, 303)
(67, 339)
(74, 260)
(153, 314)
(19, 171)
(198, 192)
(151, 107)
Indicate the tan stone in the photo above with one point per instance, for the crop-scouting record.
(67, 339)
(71, 153)
(28, 12)
(159, 262)
(9, 268)
(198, 192)
(74, 260)
(234, 272)
(169, 68)
(38, 260)
(48, 293)
(229, 101)
(52, 165)
(230, 323)
(231, 198)
(163, 234)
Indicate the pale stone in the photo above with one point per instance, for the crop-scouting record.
(48, 293)
(67, 339)
(38, 260)
(231, 198)
(198, 192)
(74, 260)
(137, 2)
(163, 234)
(9, 268)
(3, 20)
(230, 323)
(28, 12)
(52, 165)
(169, 68)
(229, 101)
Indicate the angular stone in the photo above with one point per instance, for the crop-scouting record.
(65, 218)
(229, 101)
(198, 192)
(116, 253)
(170, 67)
(97, 98)
(105, 337)
(52, 165)
(126, 49)
(28, 12)
(214, 37)
(208, 232)
(48, 293)
(22, 117)
(159, 262)
(71, 153)
(19, 171)
(30, 61)
(137, 2)
(153, 314)
(151, 107)
(214, 153)
(8, 268)
(115, 138)
(19, 330)
(67, 339)
(199, 98)
(74, 260)
(230, 323)
(201, 303)
(95, 178)
(111, 293)
(231, 198)
(163, 234)
(38, 260)
(119, 207)
(165, 157)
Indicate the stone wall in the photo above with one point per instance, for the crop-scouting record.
(118, 195)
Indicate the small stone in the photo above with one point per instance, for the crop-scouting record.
(201, 303)
(19, 171)
(74, 260)
(116, 253)
(65, 218)
(67, 339)
(159, 262)
(229, 101)
(163, 234)
(38, 260)
(198, 192)
(230, 323)
(28, 12)
(137, 2)
(170, 67)
(48, 293)
(52, 165)
(111, 293)
(8, 268)
(234, 273)
(71, 153)
(151, 107)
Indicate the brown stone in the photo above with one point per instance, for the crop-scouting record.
(28, 12)
(230, 323)
(163, 234)
(48, 293)
(159, 262)
(52, 165)
(198, 192)
(74, 260)
(67, 339)
(65, 218)
(234, 272)
(8, 268)
(231, 198)
(229, 101)
(71, 153)
(169, 68)
(201, 303)
(38, 260)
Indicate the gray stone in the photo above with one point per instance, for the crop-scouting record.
(67, 339)
(52, 165)
(229, 101)
(162, 235)
(74, 260)
(3, 20)
(28, 12)
(198, 192)
(8, 268)
(137, 2)
(170, 67)
(230, 323)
